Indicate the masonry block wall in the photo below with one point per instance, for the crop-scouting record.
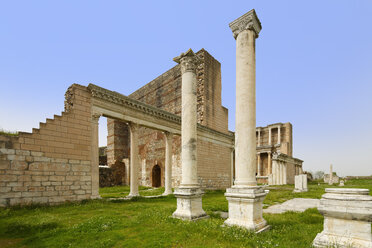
(286, 143)
(52, 164)
(164, 92)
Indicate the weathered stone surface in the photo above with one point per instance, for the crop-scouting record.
(295, 204)
(300, 183)
(347, 218)
(245, 198)
(189, 204)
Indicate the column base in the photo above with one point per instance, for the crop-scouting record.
(245, 207)
(95, 197)
(133, 195)
(189, 204)
(299, 190)
(347, 218)
(167, 193)
(324, 240)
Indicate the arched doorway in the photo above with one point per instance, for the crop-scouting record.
(156, 176)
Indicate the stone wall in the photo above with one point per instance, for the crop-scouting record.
(53, 163)
(164, 92)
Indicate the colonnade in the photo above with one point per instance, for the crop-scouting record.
(279, 175)
(134, 160)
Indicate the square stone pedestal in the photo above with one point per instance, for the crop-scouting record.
(189, 204)
(347, 218)
(300, 183)
(245, 207)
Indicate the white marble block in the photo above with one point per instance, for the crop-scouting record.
(300, 183)
(347, 218)
(245, 207)
(189, 204)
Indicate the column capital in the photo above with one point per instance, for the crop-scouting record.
(133, 126)
(95, 117)
(248, 21)
(168, 135)
(188, 61)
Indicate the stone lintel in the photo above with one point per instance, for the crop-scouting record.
(248, 21)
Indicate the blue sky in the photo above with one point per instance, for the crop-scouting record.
(314, 63)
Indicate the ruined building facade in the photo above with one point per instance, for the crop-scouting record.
(215, 162)
(164, 93)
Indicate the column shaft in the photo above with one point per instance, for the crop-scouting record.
(259, 172)
(285, 173)
(279, 135)
(134, 161)
(245, 130)
(94, 157)
(269, 169)
(168, 163)
(269, 136)
(189, 122)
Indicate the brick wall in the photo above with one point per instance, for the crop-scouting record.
(52, 164)
(164, 92)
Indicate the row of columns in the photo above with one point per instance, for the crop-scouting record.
(279, 139)
(279, 175)
(260, 164)
(244, 197)
(259, 136)
(134, 161)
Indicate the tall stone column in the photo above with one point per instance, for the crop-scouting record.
(134, 161)
(259, 165)
(245, 197)
(259, 138)
(269, 169)
(330, 182)
(95, 156)
(168, 163)
(269, 135)
(279, 135)
(189, 194)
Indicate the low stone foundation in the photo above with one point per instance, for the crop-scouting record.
(28, 177)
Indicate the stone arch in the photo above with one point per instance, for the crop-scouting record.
(156, 176)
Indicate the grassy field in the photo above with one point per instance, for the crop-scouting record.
(144, 222)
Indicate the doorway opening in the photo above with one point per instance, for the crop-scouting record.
(156, 176)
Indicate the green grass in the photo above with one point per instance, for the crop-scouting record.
(279, 194)
(123, 191)
(145, 222)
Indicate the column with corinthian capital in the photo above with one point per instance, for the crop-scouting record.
(245, 197)
(189, 194)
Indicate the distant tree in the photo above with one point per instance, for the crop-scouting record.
(318, 174)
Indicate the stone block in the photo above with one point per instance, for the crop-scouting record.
(19, 165)
(7, 151)
(56, 178)
(22, 152)
(300, 183)
(189, 204)
(31, 194)
(245, 208)
(347, 218)
(36, 154)
(4, 164)
(8, 178)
